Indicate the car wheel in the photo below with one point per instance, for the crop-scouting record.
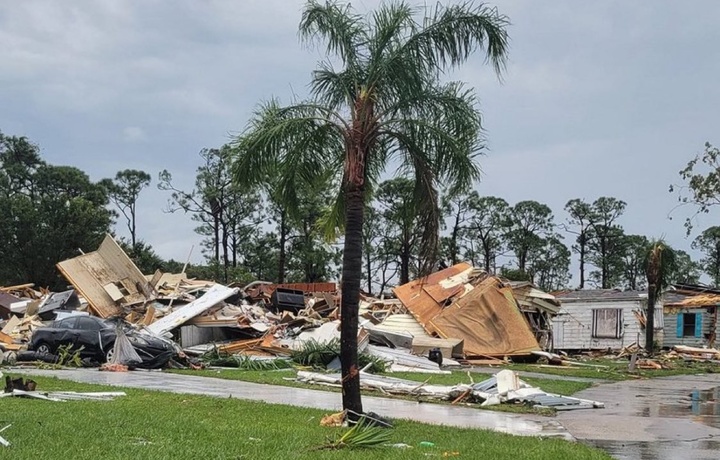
(109, 355)
(43, 348)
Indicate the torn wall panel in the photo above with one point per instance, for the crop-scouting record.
(96, 275)
(488, 320)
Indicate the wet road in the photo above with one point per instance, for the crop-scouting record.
(437, 414)
(665, 418)
(659, 419)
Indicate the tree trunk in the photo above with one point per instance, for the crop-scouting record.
(132, 229)
(404, 264)
(351, 274)
(487, 255)
(582, 260)
(283, 241)
(368, 266)
(650, 319)
(454, 239)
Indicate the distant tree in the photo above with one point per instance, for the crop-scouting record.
(687, 271)
(142, 255)
(394, 200)
(702, 183)
(124, 191)
(379, 250)
(485, 231)
(605, 241)
(310, 258)
(635, 248)
(579, 225)
(48, 213)
(456, 208)
(549, 263)
(227, 214)
(260, 256)
(708, 242)
(528, 223)
(514, 274)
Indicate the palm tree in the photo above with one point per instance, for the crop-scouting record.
(661, 264)
(384, 105)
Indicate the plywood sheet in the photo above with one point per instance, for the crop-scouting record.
(90, 272)
(416, 296)
(488, 321)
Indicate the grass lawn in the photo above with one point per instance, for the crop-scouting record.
(618, 370)
(284, 377)
(156, 425)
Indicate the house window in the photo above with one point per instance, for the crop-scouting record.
(607, 323)
(689, 325)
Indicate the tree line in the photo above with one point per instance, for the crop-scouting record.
(51, 212)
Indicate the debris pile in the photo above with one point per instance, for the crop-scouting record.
(505, 387)
(457, 315)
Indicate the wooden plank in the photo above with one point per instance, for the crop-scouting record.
(149, 316)
(113, 291)
(10, 326)
(4, 338)
(240, 345)
(18, 287)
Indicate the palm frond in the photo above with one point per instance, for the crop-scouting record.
(299, 144)
(452, 33)
(343, 30)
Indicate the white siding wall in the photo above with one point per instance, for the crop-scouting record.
(572, 327)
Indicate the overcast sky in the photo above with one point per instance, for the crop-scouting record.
(600, 98)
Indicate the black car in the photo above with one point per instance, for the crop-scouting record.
(97, 337)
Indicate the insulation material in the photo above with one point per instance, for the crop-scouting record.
(488, 320)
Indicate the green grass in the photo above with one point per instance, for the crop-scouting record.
(618, 369)
(155, 425)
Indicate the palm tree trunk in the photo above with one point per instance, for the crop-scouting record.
(351, 274)
(650, 320)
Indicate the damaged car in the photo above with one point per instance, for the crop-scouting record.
(97, 337)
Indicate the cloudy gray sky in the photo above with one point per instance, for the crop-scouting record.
(600, 98)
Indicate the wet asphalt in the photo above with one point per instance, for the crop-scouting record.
(664, 418)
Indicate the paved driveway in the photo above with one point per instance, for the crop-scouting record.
(664, 418)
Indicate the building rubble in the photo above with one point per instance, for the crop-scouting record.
(460, 313)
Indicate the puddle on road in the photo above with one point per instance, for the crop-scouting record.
(696, 450)
(702, 406)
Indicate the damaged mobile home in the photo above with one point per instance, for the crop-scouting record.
(461, 313)
(597, 319)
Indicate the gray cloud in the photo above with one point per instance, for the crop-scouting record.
(599, 98)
